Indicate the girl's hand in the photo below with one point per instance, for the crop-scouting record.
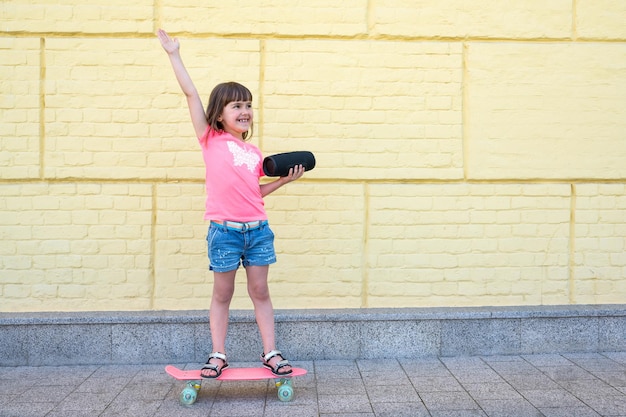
(294, 173)
(170, 45)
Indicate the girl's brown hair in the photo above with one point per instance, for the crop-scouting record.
(221, 95)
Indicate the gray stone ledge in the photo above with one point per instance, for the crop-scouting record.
(316, 315)
(37, 339)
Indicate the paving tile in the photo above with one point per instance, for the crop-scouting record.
(615, 379)
(400, 409)
(596, 363)
(609, 406)
(423, 366)
(569, 412)
(491, 391)
(616, 356)
(131, 408)
(463, 362)
(47, 393)
(325, 370)
(590, 388)
(547, 359)
(26, 409)
(383, 366)
(458, 413)
(436, 383)
(448, 401)
(566, 373)
(288, 410)
(344, 404)
(476, 375)
(174, 409)
(341, 387)
(514, 368)
(86, 401)
(509, 408)
(240, 407)
(392, 394)
(67, 413)
(530, 382)
(551, 398)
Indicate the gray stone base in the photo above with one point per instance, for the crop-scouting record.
(37, 339)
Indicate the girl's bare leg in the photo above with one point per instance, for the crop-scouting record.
(223, 289)
(258, 290)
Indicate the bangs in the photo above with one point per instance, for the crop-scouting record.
(236, 92)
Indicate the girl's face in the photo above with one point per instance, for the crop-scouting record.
(237, 117)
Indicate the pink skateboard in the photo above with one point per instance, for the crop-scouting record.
(189, 394)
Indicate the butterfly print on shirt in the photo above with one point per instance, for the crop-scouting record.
(242, 156)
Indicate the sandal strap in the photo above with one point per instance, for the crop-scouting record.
(278, 365)
(214, 367)
(217, 355)
(281, 364)
(271, 354)
(210, 367)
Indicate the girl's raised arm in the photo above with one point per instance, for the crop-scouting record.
(196, 110)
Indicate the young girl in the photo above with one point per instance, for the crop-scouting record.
(239, 232)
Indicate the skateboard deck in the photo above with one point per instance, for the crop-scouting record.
(232, 374)
(190, 393)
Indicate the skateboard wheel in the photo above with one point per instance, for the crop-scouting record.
(285, 393)
(188, 395)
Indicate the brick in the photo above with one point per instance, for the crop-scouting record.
(600, 19)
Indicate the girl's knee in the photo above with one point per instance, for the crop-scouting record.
(258, 291)
(222, 295)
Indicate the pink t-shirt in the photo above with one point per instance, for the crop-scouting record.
(233, 169)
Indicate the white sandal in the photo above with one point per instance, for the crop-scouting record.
(280, 364)
(213, 367)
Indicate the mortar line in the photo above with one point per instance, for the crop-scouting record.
(464, 110)
(574, 34)
(157, 7)
(373, 181)
(42, 107)
(572, 246)
(365, 247)
(153, 225)
(369, 21)
(309, 37)
(261, 84)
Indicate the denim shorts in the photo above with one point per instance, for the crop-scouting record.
(229, 248)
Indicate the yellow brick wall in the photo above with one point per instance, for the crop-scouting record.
(468, 153)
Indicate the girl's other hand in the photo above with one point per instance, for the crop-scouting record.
(294, 173)
(170, 45)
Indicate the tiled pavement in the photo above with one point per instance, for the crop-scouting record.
(555, 385)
